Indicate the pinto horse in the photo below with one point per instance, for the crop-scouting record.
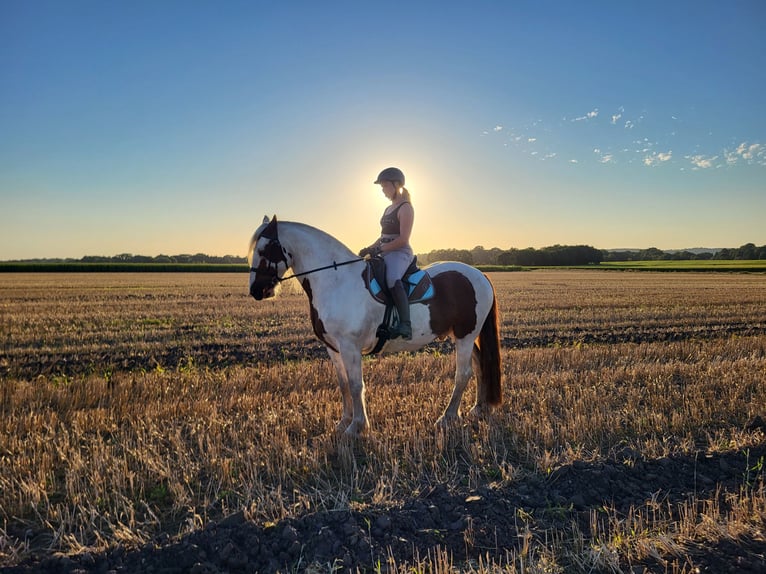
(345, 316)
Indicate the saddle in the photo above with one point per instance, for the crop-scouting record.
(417, 284)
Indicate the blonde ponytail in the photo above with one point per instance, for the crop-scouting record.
(405, 194)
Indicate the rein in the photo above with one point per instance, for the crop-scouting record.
(333, 266)
(274, 253)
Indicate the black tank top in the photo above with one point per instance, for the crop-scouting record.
(389, 223)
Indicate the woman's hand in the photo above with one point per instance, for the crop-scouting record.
(373, 250)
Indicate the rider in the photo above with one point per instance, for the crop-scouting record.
(394, 244)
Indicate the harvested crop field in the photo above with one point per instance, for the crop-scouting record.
(170, 423)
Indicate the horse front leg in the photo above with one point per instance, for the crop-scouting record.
(352, 359)
(463, 372)
(345, 393)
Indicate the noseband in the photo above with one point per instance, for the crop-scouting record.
(271, 256)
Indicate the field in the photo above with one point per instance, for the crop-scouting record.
(166, 422)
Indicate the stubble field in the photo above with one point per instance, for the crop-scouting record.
(169, 423)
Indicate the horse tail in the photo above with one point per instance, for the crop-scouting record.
(486, 359)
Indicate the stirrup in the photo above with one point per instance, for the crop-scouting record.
(403, 330)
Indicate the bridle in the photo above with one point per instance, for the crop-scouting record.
(274, 253)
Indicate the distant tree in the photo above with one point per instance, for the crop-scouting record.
(724, 254)
(651, 254)
(619, 255)
(569, 255)
(747, 251)
(483, 256)
(462, 255)
(234, 259)
(507, 257)
(528, 256)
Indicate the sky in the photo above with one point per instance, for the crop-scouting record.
(173, 127)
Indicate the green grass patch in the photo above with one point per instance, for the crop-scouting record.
(755, 265)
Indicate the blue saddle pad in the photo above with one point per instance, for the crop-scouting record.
(417, 283)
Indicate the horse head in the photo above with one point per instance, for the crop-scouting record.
(268, 260)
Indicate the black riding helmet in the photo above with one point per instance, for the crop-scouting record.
(391, 174)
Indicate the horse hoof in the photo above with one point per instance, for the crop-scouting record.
(478, 411)
(355, 430)
(446, 421)
(342, 425)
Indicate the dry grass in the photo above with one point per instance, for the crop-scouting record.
(134, 404)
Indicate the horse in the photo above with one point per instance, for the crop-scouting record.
(345, 316)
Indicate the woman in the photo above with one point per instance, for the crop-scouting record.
(394, 244)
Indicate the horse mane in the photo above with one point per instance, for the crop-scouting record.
(316, 230)
(295, 224)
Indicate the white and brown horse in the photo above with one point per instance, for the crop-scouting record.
(345, 316)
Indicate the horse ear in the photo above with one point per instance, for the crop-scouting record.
(265, 219)
(270, 232)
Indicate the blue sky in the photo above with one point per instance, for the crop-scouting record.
(173, 127)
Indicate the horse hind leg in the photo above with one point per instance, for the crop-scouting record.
(481, 407)
(463, 372)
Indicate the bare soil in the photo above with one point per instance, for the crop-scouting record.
(497, 519)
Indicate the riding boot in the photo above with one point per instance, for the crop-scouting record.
(403, 328)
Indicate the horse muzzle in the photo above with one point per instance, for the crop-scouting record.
(262, 289)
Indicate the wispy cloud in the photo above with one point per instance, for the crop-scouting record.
(603, 157)
(657, 158)
(617, 115)
(589, 116)
(750, 153)
(538, 139)
(702, 161)
(497, 129)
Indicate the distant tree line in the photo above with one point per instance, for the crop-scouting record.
(558, 255)
(197, 258)
(746, 252)
(555, 255)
